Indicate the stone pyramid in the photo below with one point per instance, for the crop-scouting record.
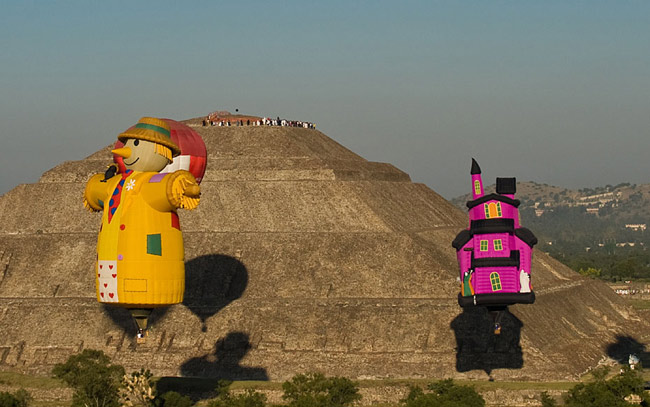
(301, 256)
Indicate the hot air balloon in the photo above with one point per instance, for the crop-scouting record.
(140, 254)
(495, 252)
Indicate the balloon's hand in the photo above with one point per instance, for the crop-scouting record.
(193, 191)
(184, 191)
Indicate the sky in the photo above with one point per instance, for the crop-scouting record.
(555, 92)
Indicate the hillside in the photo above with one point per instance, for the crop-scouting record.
(603, 228)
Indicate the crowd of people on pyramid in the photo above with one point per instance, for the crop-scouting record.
(264, 121)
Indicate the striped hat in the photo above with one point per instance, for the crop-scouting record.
(151, 129)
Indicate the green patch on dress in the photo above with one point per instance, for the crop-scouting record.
(154, 245)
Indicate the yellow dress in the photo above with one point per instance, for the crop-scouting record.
(140, 254)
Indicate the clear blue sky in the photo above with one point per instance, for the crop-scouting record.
(551, 91)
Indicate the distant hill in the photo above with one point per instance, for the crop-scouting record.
(625, 200)
(600, 228)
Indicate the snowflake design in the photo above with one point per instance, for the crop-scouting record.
(130, 185)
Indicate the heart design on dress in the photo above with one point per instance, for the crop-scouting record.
(110, 295)
(110, 266)
(101, 266)
(102, 294)
(99, 275)
(114, 275)
(105, 285)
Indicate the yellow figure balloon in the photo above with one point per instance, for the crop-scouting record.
(140, 255)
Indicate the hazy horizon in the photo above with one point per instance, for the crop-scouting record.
(551, 92)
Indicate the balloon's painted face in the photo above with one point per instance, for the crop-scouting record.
(145, 156)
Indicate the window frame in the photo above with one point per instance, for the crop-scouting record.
(495, 281)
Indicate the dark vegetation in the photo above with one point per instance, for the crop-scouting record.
(21, 398)
(588, 243)
(316, 390)
(619, 391)
(97, 382)
(443, 393)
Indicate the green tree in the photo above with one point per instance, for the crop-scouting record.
(547, 400)
(443, 393)
(96, 382)
(225, 398)
(21, 398)
(607, 393)
(173, 399)
(316, 390)
(590, 272)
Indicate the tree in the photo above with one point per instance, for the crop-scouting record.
(19, 399)
(607, 393)
(590, 272)
(250, 398)
(173, 399)
(547, 400)
(316, 390)
(443, 393)
(94, 379)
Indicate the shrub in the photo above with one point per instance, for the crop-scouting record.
(173, 399)
(137, 389)
(443, 393)
(94, 379)
(547, 400)
(19, 399)
(249, 398)
(607, 393)
(316, 390)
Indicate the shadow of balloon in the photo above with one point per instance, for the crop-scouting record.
(478, 348)
(626, 346)
(224, 361)
(212, 282)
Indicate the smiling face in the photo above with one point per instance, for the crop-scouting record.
(144, 156)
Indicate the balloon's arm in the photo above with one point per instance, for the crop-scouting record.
(95, 193)
(185, 191)
(178, 189)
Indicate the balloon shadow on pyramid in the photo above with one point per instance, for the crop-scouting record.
(478, 348)
(211, 282)
(224, 361)
(624, 346)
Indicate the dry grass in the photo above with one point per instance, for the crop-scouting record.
(15, 379)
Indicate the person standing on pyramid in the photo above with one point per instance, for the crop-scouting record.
(140, 254)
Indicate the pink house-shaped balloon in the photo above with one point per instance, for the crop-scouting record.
(494, 253)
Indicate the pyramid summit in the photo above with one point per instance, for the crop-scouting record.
(301, 256)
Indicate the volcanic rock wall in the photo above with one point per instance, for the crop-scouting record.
(301, 256)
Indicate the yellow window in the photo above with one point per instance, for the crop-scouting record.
(493, 210)
(495, 280)
(498, 246)
(484, 245)
(477, 187)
